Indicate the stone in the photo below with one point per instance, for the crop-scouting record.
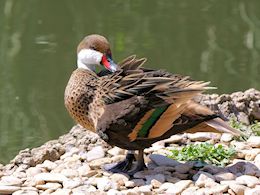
(10, 181)
(62, 192)
(50, 177)
(254, 141)
(90, 173)
(48, 165)
(53, 186)
(180, 175)
(113, 192)
(203, 136)
(183, 168)
(32, 171)
(202, 178)
(165, 186)
(158, 177)
(84, 189)
(238, 189)
(116, 151)
(161, 160)
(224, 176)
(95, 164)
(104, 184)
(95, 153)
(240, 145)
(218, 189)
(25, 192)
(226, 137)
(134, 183)
(8, 189)
(179, 186)
(251, 154)
(257, 161)
(82, 170)
(212, 169)
(255, 191)
(163, 169)
(174, 139)
(250, 169)
(235, 168)
(143, 174)
(190, 190)
(119, 178)
(70, 173)
(250, 181)
(145, 190)
(70, 184)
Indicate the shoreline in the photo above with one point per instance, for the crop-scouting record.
(71, 164)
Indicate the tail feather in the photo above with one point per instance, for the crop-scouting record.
(223, 127)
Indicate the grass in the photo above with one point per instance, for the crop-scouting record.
(204, 152)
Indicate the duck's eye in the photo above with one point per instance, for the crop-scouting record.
(93, 47)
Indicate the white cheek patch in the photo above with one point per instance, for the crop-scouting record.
(89, 57)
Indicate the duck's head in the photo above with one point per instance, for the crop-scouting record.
(95, 50)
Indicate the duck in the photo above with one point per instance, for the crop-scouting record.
(132, 107)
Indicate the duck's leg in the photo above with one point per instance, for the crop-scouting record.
(140, 163)
(125, 165)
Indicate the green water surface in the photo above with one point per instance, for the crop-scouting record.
(212, 40)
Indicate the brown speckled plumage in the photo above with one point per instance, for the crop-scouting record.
(116, 105)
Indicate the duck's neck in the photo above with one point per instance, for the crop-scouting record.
(90, 67)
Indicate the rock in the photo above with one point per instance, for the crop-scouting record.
(95, 164)
(174, 139)
(134, 183)
(250, 155)
(203, 136)
(53, 186)
(50, 177)
(70, 173)
(70, 184)
(119, 178)
(113, 192)
(82, 170)
(104, 184)
(62, 192)
(190, 190)
(224, 176)
(159, 177)
(203, 178)
(10, 181)
(240, 145)
(218, 189)
(161, 160)
(116, 151)
(254, 141)
(248, 180)
(226, 137)
(90, 173)
(212, 169)
(183, 168)
(162, 169)
(180, 175)
(145, 190)
(96, 153)
(250, 169)
(165, 186)
(238, 167)
(25, 192)
(8, 189)
(85, 189)
(143, 174)
(48, 165)
(257, 161)
(255, 191)
(171, 179)
(238, 189)
(179, 187)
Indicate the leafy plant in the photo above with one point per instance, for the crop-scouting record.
(204, 152)
(253, 129)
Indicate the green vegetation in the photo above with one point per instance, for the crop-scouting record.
(253, 129)
(204, 152)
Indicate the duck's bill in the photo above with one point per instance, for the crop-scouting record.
(109, 64)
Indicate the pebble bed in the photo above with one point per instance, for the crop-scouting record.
(73, 167)
(74, 163)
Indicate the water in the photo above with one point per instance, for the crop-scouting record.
(212, 40)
